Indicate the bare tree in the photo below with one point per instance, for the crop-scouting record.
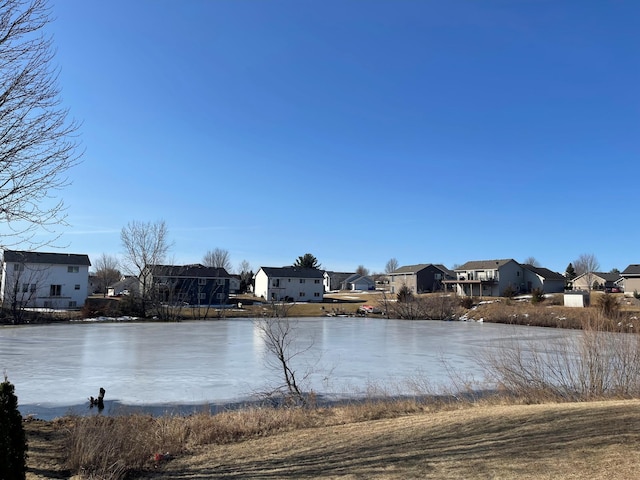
(23, 284)
(391, 266)
(586, 264)
(362, 270)
(107, 271)
(145, 244)
(531, 261)
(37, 143)
(217, 258)
(246, 276)
(281, 350)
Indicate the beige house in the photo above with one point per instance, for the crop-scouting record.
(596, 281)
(631, 278)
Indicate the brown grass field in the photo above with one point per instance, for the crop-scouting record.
(597, 440)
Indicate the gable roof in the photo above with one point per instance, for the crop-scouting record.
(292, 272)
(357, 278)
(545, 273)
(188, 271)
(412, 269)
(20, 256)
(484, 264)
(606, 276)
(631, 270)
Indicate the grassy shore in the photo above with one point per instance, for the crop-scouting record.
(595, 440)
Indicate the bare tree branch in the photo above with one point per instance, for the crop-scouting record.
(37, 142)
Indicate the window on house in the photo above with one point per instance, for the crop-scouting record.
(33, 287)
(18, 267)
(73, 269)
(202, 296)
(203, 281)
(301, 294)
(276, 282)
(316, 281)
(73, 304)
(77, 286)
(25, 287)
(316, 294)
(302, 280)
(55, 290)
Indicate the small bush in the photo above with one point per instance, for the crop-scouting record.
(404, 294)
(636, 294)
(466, 302)
(509, 291)
(13, 441)
(608, 305)
(537, 296)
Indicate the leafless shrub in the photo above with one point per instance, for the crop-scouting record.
(431, 307)
(594, 364)
(608, 305)
(282, 348)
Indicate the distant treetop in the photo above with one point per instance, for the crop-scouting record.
(307, 261)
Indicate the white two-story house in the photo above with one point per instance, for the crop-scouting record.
(44, 280)
(292, 284)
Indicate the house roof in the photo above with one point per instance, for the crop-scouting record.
(545, 273)
(484, 264)
(292, 272)
(606, 276)
(20, 256)
(188, 271)
(411, 269)
(357, 278)
(631, 270)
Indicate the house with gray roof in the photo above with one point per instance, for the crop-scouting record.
(44, 279)
(358, 282)
(292, 284)
(491, 278)
(544, 279)
(334, 280)
(631, 278)
(597, 281)
(193, 284)
(420, 278)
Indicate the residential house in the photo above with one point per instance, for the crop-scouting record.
(544, 279)
(492, 278)
(234, 283)
(44, 280)
(631, 279)
(334, 280)
(597, 281)
(421, 278)
(191, 284)
(127, 285)
(289, 284)
(358, 282)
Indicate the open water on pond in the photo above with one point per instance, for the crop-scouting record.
(182, 367)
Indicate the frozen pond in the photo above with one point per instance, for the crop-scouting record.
(55, 368)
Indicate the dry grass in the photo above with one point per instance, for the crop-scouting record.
(554, 441)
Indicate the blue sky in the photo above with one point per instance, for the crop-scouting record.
(358, 131)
